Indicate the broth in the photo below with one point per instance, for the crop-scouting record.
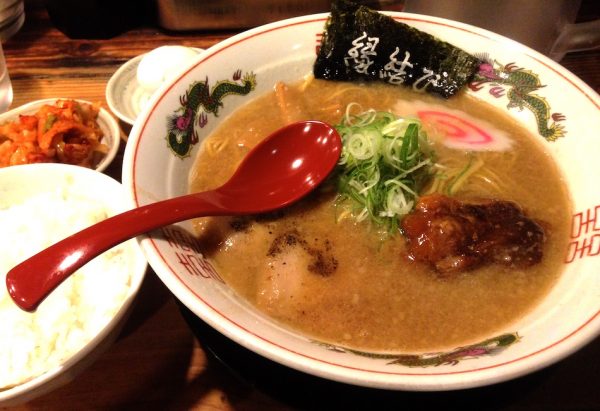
(367, 294)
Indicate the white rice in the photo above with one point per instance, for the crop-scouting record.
(33, 343)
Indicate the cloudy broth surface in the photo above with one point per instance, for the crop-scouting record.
(342, 282)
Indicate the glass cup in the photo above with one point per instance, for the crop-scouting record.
(6, 91)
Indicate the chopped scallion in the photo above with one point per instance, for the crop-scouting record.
(385, 161)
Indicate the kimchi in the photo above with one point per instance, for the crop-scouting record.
(66, 132)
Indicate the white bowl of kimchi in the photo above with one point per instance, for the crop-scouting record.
(59, 130)
(558, 111)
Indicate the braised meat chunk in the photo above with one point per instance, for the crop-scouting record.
(453, 236)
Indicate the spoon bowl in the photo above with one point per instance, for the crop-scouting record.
(280, 170)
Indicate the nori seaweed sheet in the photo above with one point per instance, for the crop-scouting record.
(362, 44)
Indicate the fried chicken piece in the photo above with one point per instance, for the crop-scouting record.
(453, 236)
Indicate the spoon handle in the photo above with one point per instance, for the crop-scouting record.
(31, 281)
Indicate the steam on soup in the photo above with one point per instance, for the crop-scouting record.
(318, 270)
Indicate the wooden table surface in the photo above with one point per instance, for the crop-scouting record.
(157, 362)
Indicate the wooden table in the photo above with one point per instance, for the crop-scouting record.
(157, 362)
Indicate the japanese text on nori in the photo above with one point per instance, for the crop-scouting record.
(361, 44)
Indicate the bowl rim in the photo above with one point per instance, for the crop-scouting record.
(526, 364)
(111, 97)
(44, 382)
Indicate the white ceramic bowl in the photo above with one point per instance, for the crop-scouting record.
(123, 94)
(564, 321)
(108, 124)
(125, 97)
(20, 183)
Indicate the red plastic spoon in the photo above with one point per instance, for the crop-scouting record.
(283, 168)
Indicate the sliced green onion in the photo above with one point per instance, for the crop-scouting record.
(50, 120)
(457, 182)
(385, 162)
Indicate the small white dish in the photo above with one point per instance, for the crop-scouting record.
(124, 95)
(108, 124)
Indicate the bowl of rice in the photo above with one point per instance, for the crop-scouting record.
(39, 205)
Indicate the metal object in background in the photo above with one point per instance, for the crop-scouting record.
(234, 14)
(6, 91)
(545, 25)
(12, 16)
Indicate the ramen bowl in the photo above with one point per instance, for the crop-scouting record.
(157, 166)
